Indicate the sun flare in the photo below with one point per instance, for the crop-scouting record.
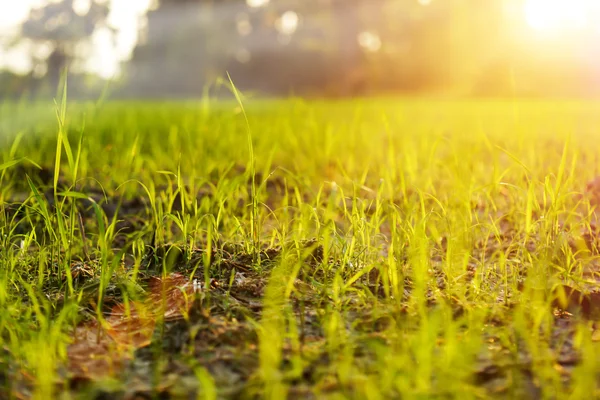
(558, 15)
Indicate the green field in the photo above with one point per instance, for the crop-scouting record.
(370, 249)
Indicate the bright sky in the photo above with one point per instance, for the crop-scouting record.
(125, 16)
(560, 16)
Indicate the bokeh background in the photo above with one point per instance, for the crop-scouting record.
(330, 48)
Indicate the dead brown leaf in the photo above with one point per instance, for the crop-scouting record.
(101, 349)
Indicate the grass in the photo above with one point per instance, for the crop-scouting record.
(350, 249)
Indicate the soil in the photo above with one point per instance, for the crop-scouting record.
(184, 322)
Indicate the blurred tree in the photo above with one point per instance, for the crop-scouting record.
(315, 47)
(324, 47)
(276, 47)
(60, 35)
(174, 57)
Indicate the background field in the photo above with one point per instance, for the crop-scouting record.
(327, 249)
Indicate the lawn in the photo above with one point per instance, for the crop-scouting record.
(373, 249)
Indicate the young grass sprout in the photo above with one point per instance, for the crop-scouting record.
(357, 249)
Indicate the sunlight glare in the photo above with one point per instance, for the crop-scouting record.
(105, 61)
(287, 23)
(81, 7)
(256, 3)
(13, 13)
(370, 41)
(553, 15)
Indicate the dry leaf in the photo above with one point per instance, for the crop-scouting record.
(101, 349)
(133, 327)
(93, 353)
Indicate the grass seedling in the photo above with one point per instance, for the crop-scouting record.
(359, 249)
